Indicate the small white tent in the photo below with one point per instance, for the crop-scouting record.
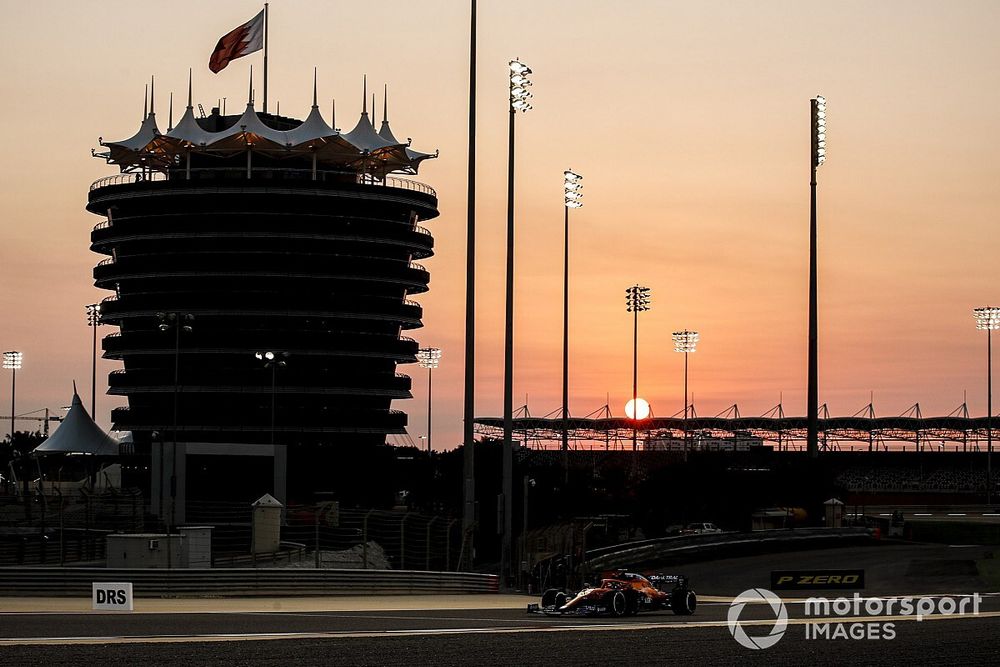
(78, 434)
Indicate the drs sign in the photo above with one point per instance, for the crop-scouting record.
(112, 596)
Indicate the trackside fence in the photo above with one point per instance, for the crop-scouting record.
(72, 531)
(241, 582)
(66, 529)
(323, 535)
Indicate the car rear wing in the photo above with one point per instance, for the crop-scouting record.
(671, 580)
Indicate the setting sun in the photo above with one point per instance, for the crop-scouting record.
(641, 413)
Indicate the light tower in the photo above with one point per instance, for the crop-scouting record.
(519, 96)
(469, 382)
(988, 319)
(429, 358)
(637, 300)
(93, 321)
(12, 362)
(179, 323)
(817, 156)
(572, 198)
(686, 342)
(274, 361)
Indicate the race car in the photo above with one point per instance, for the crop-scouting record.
(621, 594)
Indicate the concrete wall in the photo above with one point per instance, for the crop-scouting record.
(952, 532)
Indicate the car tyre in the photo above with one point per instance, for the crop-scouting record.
(631, 603)
(617, 604)
(560, 599)
(683, 601)
(549, 597)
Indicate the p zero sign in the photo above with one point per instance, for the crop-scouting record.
(112, 596)
(807, 580)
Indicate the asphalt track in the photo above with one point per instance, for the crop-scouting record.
(496, 629)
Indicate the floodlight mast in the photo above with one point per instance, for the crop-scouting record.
(519, 97)
(271, 360)
(12, 362)
(988, 319)
(572, 198)
(180, 323)
(817, 156)
(94, 321)
(685, 341)
(469, 381)
(637, 300)
(429, 358)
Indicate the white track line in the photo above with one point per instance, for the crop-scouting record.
(621, 627)
(703, 601)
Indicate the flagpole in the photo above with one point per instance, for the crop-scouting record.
(266, 22)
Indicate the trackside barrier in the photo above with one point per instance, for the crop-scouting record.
(241, 582)
(633, 553)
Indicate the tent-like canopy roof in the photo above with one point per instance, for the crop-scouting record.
(78, 434)
(361, 149)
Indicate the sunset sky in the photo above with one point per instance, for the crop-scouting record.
(690, 124)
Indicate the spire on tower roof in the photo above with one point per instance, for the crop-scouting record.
(384, 131)
(315, 105)
(189, 89)
(170, 117)
(364, 96)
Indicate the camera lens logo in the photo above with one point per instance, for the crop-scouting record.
(757, 596)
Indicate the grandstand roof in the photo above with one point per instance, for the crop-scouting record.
(855, 428)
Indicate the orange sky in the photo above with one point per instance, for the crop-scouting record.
(689, 122)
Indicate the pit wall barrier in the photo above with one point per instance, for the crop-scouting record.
(722, 545)
(952, 532)
(241, 582)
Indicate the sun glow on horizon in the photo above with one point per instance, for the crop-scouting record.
(638, 411)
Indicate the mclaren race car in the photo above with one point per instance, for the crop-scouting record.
(621, 594)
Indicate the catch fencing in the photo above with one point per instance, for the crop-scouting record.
(241, 582)
(66, 529)
(324, 535)
(72, 530)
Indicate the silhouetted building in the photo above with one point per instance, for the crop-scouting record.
(229, 236)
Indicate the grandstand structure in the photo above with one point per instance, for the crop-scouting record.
(862, 431)
(946, 478)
